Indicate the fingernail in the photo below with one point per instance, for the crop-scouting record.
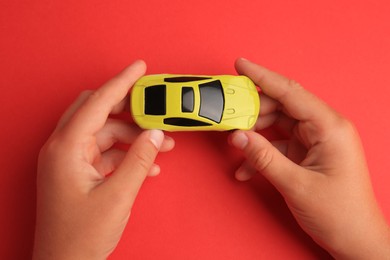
(156, 137)
(154, 170)
(240, 140)
(242, 175)
(243, 59)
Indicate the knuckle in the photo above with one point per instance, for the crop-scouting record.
(97, 97)
(348, 125)
(144, 159)
(262, 158)
(294, 84)
(291, 86)
(51, 147)
(93, 95)
(86, 93)
(120, 80)
(345, 126)
(258, 78)
(342, 131)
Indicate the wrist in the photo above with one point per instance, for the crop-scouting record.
(374, 243)
(52, 254)
(59, 251)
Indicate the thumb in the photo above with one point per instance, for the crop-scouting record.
(284, 174)
(131, 173)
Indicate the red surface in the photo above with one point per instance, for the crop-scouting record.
(52, 50)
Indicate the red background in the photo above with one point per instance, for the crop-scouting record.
(52, 50)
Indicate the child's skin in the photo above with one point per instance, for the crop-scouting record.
(320, 170)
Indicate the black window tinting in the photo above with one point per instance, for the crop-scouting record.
(155, 100)
(184, 79)
(186, 122)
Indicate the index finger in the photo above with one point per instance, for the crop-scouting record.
(93, 113)
(297, 102)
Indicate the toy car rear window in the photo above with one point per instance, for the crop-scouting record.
(212, 100)
(184, 79)
(155, 100)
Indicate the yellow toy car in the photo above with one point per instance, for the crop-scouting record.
(188, 102)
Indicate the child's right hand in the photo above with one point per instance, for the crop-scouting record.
(320, 170)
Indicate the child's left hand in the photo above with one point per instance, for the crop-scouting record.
(81, 213)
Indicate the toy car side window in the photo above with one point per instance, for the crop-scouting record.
(211, 100)
(155, 100)
(179, 121)
(184, 79)
(187, 99)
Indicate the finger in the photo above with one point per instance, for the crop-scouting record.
(281, 146)
(245, 172)
(116, 131)
(266, 121)
(138, 162)
(266, 159)
(154, 170)
(279, 121)
(168, 144)
(268, 105)
(92, 115)
(73, 108)
(111, 159)
(123, 105)
(292, 149)
(299, 103)
(80, 101)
